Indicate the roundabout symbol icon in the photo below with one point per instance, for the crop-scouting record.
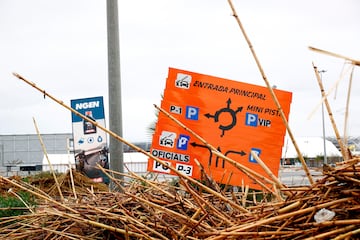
(228, 110)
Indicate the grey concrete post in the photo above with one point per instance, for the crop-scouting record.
(115, 108)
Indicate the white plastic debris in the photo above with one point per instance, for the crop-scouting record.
(324, 215)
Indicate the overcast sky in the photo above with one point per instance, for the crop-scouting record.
(62, 47)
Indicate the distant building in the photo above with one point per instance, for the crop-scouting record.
(24, 152)
(21, 154)
(312, 150)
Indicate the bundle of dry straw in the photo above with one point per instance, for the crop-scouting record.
(147, 208)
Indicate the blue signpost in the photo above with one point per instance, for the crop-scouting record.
(90, 142)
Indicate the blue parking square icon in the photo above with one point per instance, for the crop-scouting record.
(257, 151)
(192, 113)
(182, 142)
(251, 119)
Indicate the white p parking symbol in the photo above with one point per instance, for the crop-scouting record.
(183, 142)
(251, 119)
(192, 113)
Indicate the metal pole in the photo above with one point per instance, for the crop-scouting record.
(2, 155)
(323, 122)
(115, 107)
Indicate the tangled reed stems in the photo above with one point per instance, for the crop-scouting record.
(148, 208)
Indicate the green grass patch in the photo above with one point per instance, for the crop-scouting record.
(11, 205)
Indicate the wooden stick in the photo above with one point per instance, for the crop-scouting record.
(130, 218)
(268, 171)
(207, 177)
(279, 108)
(342, 148)
(38, 195)
(72, 181)
(256, 234)
(261, 222)
(176, 215)
(332, 223)
(244, 195)
(347, 109)
(353, 61)
(96, 224)
(348, 234)
(249, 172)
(16, 195)
(48, 160)
(202, 201)
(289, 207)
(216, 152)
(335, 85)
(117, 137)
(65, 235)
(194, 216)
(263, 185)
(326, 235)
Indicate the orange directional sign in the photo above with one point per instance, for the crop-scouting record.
(232, 116)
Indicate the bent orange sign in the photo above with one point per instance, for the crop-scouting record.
(232, 116)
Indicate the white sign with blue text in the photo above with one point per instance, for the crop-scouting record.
(90, 143)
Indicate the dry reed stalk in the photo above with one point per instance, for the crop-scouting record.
(245, 194)
(141, 210)
(284, 225)
(159, 187)
(255, 234)
(332, 120)
(269, 219)
(267, 170)
(59, 233)
(348, 234)
(261, 222)
(326, 235)
(353, 61)
(17, 196)
(331, 89)
(273, 96)
(194, 216)
(72, 182)
(249, 172)
(97, 224)
(277, 182)
(352, 161)
(200, 200)
(36, 194)
(347, 178)
(159, 217)
(345, 137)
(152, 184)
(289, 207)
(191, 229)
(332, 223)
(299, 189)
(48, 160)
(117, 137)
(112, 134)
(227, 183)
(128, 217)
(208, 179)
(10, 226)
(214, 193)
(170, 212)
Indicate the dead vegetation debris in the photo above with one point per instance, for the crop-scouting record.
(146, 208)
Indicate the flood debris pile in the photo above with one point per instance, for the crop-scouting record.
(146, 208)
